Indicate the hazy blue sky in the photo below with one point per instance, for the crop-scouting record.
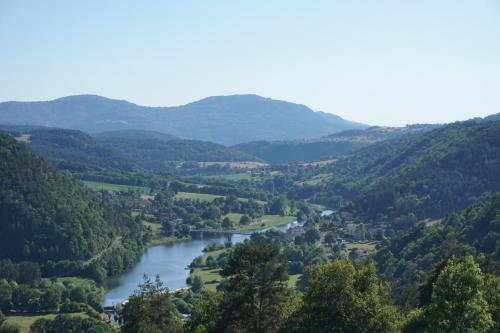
(379, 62)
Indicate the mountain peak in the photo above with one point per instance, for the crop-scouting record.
(226, 120)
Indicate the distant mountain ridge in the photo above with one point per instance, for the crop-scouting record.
(226, 120)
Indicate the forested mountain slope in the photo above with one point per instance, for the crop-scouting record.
(135, 134)
(408, 258)
(45, 215)
(222, 119)
(329, 146)
(428, 175)
(155, 153)
(70, 150)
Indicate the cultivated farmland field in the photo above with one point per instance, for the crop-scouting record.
(115, 187)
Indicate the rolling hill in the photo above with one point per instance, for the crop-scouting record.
(70, 150)
(226, 120)
(333, 145)
(155, 151)
(425, 175)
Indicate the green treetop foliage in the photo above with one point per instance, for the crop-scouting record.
(71, 324)
(458, 303)
(45, 215)
(343, 298)
(205, 313)
(150, 310)
(457, 297)
(255, 289)
(408, 258)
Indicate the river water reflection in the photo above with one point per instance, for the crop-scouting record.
(169, 261)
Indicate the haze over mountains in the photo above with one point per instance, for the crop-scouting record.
(226, 120)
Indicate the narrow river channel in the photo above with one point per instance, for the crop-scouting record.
(169, 261)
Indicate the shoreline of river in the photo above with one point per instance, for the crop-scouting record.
(173, 272)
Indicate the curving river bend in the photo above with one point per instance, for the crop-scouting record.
(169, 261)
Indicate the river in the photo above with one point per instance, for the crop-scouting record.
(169, 261)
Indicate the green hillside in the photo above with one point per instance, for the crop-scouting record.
(70, 150)
(45, 215)
(325, 147)
(155, 153)
(408, 258)
(428, 174)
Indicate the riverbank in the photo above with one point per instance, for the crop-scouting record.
(262, 223)
(170, 260)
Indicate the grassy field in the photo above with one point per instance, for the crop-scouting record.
(25, 321)
(234, 217)
(155, 227)
(158, 238)
(208, 197)
(197, 196)
(115, 187)
(293, 280)
(162, 240)
(210, 277)
(147, 197)
(25, 138)
(231, 177)
(236, 165)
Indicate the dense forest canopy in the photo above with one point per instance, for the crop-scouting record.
(156, 153)
(428, 175)
(44, 214)
(409, 257)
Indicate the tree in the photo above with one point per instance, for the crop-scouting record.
(255, 289)
(150, 310)
(330, 237)
(167, 228)
(73, 324)
(205, 313)
(279, 206)
(312, 236)
(458, 303)
(50, 299)
(29, 273)
(343, 298)
(227, 223)
(492, 295)
(196, 284)
(362, 231)
(78, 294)
(2, 318)
(244, 220)
(5, 295)
(10, 328)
